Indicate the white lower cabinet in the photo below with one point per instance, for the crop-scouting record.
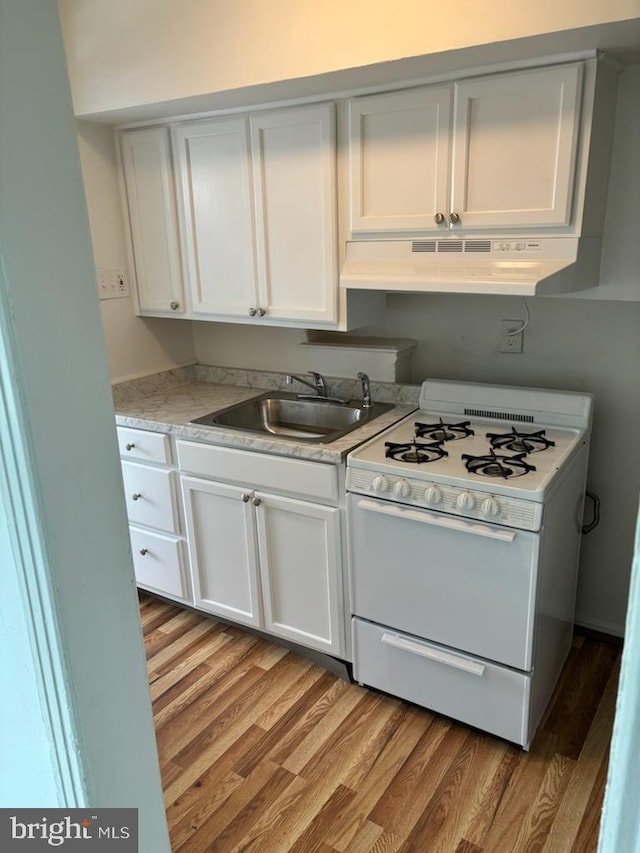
(272, 561)
(157, 544)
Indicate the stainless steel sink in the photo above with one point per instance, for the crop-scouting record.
(284, 415)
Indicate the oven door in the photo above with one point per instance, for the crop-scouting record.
(460, 583)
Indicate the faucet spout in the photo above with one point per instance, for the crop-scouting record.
(366, 391)
(318, 385)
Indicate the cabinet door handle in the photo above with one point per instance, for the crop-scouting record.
(144, 551)
(130, 446)
(261, 312)
(174, 305)
(252, 312)
(136, 496)
(246, 498)
(454, 218)
(256, 501)
(439, 218)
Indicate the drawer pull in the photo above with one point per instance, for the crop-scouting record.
(256, 501)
(246, 498)
(136, 496)
(130, 446)
(439, 657)
(144, 551)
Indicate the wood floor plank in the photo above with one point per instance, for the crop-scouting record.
(402, 804)
(573, 808)
(235, 721)
(262, 751)
(540, 815)
(409, 728)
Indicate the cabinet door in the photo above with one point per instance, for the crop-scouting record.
(148, 179)
(515, 139)
(399, 160)
(216, 215)
(222, 550)
(293, 156)
(301, 571)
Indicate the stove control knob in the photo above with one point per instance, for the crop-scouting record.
(380, 483)
(402, 489)
(490, 507)
(433, 495)
(465, 500)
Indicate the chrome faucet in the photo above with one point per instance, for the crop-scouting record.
(318, 385)
(366, 391)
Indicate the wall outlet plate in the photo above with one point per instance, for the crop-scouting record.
(508, 341)
(112, 283)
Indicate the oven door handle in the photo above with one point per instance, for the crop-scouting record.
(438, 521)
(434, 655)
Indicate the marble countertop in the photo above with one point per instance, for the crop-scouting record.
(169, 411)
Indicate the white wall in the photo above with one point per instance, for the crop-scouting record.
(136, 346)
(124, 53)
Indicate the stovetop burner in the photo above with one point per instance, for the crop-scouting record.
(522, 442)
(444, 431)
(414, 452)
(493, 465)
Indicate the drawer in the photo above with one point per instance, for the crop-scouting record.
(150, 496)
(142, 446)
(158, 563)
(260, 470)
(472, 690)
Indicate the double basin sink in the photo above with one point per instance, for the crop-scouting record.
(287, 416)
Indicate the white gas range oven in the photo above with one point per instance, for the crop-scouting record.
(464, 533)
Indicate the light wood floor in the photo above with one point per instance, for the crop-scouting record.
(261, 750)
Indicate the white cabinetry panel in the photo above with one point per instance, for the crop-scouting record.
(215, 181)
(299, 547)
(506, 160)
(293, 155)
(149, 188)
(221, 538)
(399, 159)
(150, 496)
(514, 148)
(157, 560)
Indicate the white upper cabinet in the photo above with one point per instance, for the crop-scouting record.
(258, 213)
(492, 152)
(399, 159)
(514, 148)
(150, 199)
(294, 179)
(214, 176)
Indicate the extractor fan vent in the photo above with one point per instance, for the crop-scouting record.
(451, 246)
(501, 416)
(477, 245)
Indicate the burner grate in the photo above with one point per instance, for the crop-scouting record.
(521, 442)
(443, 431)
(494, 465)
(414, 452)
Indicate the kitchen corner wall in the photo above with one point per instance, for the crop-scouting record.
(136, 346)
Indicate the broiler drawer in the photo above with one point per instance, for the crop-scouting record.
(483, 694)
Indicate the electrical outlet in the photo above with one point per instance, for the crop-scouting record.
(510, 342)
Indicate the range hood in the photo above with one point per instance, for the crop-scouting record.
(512, 266)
